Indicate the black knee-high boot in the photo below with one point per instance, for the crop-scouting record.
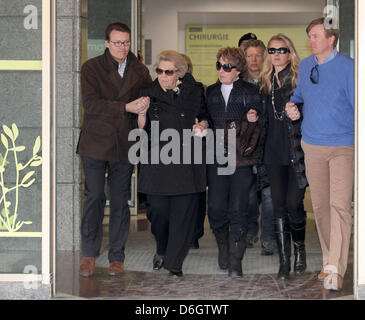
(221, 236)
(282, 233)
(298, 236)
(237, 248)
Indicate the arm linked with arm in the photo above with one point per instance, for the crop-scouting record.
(93, 102)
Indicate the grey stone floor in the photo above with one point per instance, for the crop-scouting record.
(140, 249)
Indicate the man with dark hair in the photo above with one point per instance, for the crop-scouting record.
(246, 37)
(326, 89)
(110, 86)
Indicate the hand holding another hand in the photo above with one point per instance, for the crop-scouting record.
(138, 106)
(200, 128)
(292, 111)
(252, 115)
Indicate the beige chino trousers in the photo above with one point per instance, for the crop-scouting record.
(330, 173)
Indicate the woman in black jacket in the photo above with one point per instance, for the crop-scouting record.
(282, 154)
(172, 184)
(231, 102)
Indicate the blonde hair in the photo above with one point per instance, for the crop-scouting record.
(176, 58)
(268, 68)
(234, 56)
(188, 62)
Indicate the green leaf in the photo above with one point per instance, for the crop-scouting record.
(20, 166)
(20, 148)
(37, 145)
(2, 163)
(15, 131)
(4, 212)
(8, 131)
(7, 204)
(3, 226)
(27, 222)
(28, 184)
(26, 177)
(4, 141)
(36, 163)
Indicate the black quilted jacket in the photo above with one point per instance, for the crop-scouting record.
(243, 97)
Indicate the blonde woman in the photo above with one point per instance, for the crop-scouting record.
(281, 153)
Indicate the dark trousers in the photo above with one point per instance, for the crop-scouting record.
(172, 223)
(287, 197)
(228, 199)
(262, 197)
(119, 178)
(200, 216)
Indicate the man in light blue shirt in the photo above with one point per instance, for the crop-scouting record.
(326, 89)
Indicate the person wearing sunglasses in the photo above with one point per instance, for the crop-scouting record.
(110, 86)
(232, 104)
(282, 155)
(326, 89)
(173, 189)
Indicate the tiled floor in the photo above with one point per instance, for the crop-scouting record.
(202, 279)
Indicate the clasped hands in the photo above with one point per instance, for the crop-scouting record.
(138, 106)
(200, 128)
(292, 111)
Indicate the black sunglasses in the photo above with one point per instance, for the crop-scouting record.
(167, 72)
(315, 74)
(226, 67)
(280, 50)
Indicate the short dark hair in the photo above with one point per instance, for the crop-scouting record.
(329, 32)
(247, 36)
(254, 43)
(234, 56)
(118, 26)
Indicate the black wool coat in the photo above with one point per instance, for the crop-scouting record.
(174, 111)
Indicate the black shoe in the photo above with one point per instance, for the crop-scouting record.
(267, 248)
(157, 262)
(251, 240)
(175, 274)
(237, 248)
(298, 236)
(195, 244)
(221, 236)
(282, 233)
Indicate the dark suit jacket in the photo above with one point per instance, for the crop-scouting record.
(106, 124)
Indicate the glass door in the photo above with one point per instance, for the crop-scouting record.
(25, 177)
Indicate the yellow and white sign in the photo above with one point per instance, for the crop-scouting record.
(203, 42)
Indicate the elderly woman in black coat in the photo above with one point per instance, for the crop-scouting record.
(172, 187)
(232, 104)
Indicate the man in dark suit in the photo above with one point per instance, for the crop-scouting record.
(110, 85)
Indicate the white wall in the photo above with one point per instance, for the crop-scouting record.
(164, 20)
